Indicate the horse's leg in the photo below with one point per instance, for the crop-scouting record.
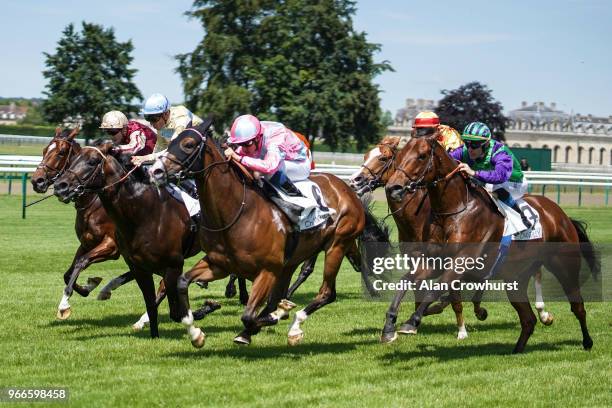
(545, 317)
(327, 292)
(202, 271)
(244, 293)
(480, 312)
(388, 333)
(103, 251)
(230, 289)
(261, 289)
(144, 319)
(115, 283)
(354, 256)
(305, 272)
(567, 273)
(520, 302)
(147, 287)
(458, 309)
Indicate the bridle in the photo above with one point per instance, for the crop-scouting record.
(375, 181)
(186, 172)
(58, 171)
(83, 185)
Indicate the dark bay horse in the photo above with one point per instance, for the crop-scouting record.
(94, 229)
(413, 218)
(153, 231)
(244, 233)
(463, 214)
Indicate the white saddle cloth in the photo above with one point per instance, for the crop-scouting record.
(192, 205)
(315, 211)
(514, 225)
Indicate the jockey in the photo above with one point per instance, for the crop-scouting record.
(426, 123)
(132, 137)
(158, 112)
(490, 161)
(271, 149)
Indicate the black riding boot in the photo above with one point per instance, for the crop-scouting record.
(290, 189)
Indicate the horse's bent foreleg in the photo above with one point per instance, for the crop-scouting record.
(204, 272)
(261, 289)
(115, 283)
(388, 333)
(106, 249)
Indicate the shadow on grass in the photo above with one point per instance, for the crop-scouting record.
(438, 328)
(467, 351)
(255, 352)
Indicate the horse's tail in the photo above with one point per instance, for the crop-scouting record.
(375, 232)
(586, 248)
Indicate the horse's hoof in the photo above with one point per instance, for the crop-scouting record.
(230, 291)
(462, 335)
(482, 314)
(242, 340)
(138, 326)
(407, 328)
(63, 314)
(547, 318)
(390, 337)
(244, 301)
(295, 339)
(587, 344)
(198, 342)
(104, 295)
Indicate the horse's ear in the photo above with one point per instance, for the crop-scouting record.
(74, 132)
(205, 125)
(105, 146)
(58, 131)
(391, 141)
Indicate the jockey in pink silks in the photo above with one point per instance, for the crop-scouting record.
(271, 149)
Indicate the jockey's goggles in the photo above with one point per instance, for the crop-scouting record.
(112, 132)
(472, 144)
(247, 144)
(153, 118)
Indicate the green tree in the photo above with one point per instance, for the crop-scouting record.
(296, 61)
(469, 103)
(88, 75)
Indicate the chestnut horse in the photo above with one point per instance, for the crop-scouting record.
(412, 217)
(153, 230)
(463, 213)
(244, 233)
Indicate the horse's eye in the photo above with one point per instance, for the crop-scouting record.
(383, 158)
(92, 161)
(190, 144)
(422, 156)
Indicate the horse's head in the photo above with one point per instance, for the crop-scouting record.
(56, 159)
(376, 168)
(86, 173)
(184, 155)
(418, 167)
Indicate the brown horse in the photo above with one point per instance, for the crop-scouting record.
(153, 230)
(94, 229)
(463, 214)
(412, 217)
(248, 235)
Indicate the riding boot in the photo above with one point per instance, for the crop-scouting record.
(290, 189)
(195, 222)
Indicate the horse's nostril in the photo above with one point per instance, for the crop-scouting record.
(61, 187)
(158, 173)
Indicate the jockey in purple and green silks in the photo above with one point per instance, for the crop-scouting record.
(490, 161)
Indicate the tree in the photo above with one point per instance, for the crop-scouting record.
(89, 75)
(469, 103)
(297, 61)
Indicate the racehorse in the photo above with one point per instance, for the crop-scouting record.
(244, 233)
(153, 230)
(94, 229)
(412, 217)
(464, 213)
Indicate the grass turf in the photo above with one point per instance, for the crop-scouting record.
(340, 363)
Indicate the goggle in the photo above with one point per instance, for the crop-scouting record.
(111, 132)
(152, 118)
(471, 144)
(247, 144)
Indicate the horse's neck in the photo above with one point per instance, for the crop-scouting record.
(220, 189)
(124, 201)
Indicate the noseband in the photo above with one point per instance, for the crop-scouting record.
(58, 172)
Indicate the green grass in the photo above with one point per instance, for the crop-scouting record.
(25, 149)
(340, 363)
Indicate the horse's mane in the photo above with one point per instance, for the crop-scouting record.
(138, 176)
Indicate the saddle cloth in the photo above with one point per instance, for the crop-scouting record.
(514, 225)
(314, 209)
(192, 205)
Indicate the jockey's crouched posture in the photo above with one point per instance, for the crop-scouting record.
(131, 137)
(271, 149)
(490, 161)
